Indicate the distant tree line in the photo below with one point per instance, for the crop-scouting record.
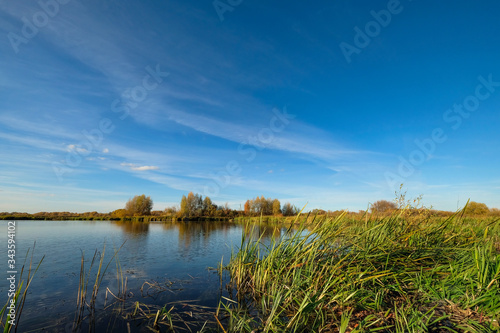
(195, 205)
(472, 209)
(56, 216)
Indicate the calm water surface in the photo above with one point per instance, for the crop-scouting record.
(177, 256)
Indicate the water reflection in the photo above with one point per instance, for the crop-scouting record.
(200, 232)
(136, 229)
(190, 233)
(262, 231)
(196, 232)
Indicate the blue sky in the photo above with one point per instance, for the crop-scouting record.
(333, 105)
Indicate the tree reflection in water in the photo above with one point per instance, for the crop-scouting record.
(136, 229)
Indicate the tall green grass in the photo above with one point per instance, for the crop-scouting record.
(21, 293)
(376, 275)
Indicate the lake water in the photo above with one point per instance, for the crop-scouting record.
(174, 258)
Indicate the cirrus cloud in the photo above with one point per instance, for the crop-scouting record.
(135, 167)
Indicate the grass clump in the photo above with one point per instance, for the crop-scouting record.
(380, 275)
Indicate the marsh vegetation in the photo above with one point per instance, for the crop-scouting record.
(395, 274)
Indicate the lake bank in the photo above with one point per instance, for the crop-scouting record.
(341, 274)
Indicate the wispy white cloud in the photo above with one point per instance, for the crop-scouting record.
(140, 168)
(145, 168)
(45, 197)
(295, 139)
(35, 142)
(185, 184)
(36, 127)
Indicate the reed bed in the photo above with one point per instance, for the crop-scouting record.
(376, 275)
(87, 299)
